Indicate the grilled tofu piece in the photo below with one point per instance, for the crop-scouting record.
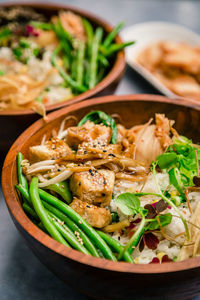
(96, 216)
(97, 148)
(88, 132)
(93, 186)
(51, 149)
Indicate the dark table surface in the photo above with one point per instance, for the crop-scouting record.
(22, 276)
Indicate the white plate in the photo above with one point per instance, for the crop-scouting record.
(149, 32)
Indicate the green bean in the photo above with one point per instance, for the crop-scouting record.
(62, 189)
(42, 25)
(80, 63)
(62, 34)
(70, 81)
(66, 62)
(74, 66)
(110, 37)
(68, 235)
(93, 62)
(63, 74)
(41, 226)
(41, 212)
(24, 193)
(100, 75)
(90, 34)
(67, 50)
(65, 41)
(103, 60)
(134, 240)
(21, 177)
(30, 211)
(98, 241)
(114, 48)
(86, 241)
(87, 73)
(115, 245)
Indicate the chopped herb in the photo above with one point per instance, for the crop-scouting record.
(17, 52)
(39, 99)
(43, 26)
(36, 52)
(24, 44)
(4, 33)
(115, 217)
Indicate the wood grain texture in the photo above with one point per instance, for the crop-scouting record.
(14, 122)
(101, 278)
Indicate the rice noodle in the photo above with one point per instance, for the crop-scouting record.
(39, 170)
(43, 139)
(134, 178)
(62, 133)
(42, 163)
(62, 176)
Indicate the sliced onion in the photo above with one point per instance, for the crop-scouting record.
(62, 176)
(147, 145)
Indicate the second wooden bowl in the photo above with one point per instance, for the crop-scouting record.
(101, 278)
(13, 122)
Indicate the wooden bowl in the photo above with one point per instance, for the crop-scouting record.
(13, 122)
(101, 278)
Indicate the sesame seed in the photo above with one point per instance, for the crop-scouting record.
(91, 173)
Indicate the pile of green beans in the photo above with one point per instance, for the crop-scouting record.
(62, 223)
(84, 63)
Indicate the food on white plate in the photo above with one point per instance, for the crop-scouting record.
(176, 65)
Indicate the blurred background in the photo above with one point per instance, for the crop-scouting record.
(22, 276)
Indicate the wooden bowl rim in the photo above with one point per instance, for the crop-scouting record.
(115, 72)
(18, 213)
